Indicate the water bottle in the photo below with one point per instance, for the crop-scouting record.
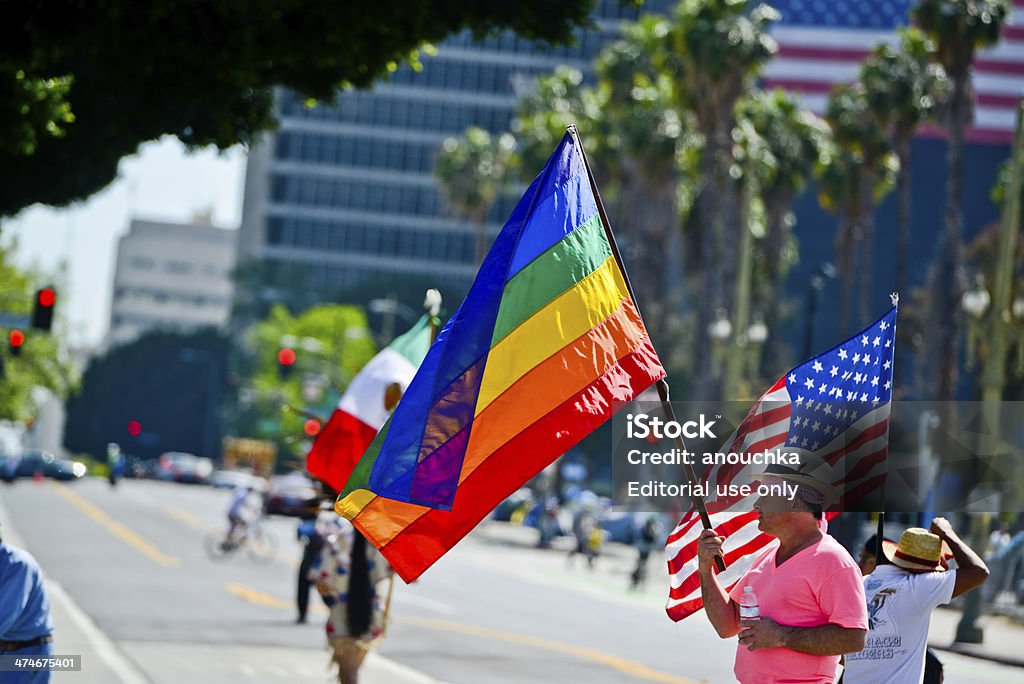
(748, 605)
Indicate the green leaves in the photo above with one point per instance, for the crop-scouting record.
(98, 79)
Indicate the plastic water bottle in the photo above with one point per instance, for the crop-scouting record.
(748, 605)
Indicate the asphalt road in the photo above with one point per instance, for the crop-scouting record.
(493, 611)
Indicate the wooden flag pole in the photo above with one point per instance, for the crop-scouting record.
(662, 385)
(432, 303)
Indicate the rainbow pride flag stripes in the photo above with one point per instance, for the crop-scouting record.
(546, 346)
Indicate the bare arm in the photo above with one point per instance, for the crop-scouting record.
(971, 571)
(825, 640)
(721, 611)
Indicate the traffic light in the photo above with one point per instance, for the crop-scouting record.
(42, 309)
(285, 362)
(17, 340)
(134, 428)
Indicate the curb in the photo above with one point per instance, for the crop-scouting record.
(972, 652)
(107, 651)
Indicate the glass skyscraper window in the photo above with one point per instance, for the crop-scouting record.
(344, 192)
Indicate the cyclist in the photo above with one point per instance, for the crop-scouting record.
(239, 511)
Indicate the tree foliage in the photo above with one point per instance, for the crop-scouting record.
(40, 363)
(959, 28)
(163, 381)
(84, 84)
(471, 171)
(331, 343)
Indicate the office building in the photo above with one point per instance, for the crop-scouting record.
(171, 277)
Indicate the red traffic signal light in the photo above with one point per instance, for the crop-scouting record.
(17, 339)
(42, 309)
(286, 357)
(134, 428)
(312, 427)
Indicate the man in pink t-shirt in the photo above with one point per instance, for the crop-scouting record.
(809, 590)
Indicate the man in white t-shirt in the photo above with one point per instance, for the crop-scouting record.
(901, 596)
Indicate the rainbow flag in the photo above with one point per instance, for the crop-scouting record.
(547, 345)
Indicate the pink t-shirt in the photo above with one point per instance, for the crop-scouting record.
(818, 586)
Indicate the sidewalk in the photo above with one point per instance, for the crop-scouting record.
(1004, 638)
(106, 662)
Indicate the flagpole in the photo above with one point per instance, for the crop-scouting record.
(662, 384)
(432, 305)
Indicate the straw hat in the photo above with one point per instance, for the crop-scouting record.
(919, 550)
(812, 472)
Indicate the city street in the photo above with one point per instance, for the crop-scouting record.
(495, 610)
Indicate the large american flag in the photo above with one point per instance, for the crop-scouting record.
(835, 405)
(824, 42)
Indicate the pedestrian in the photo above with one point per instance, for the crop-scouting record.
(900, 598)
(647, 538)
(312, 540)
(26, 627)
(808, 589)
(868, 561)
(999, 540)
(587, 535)
(347, 574)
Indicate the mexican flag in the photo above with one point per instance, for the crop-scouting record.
(366, 405)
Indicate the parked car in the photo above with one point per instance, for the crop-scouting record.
(293, 494)
(178, 466)
(65, 469)
(229, 479)
(46, 464)
(8, 467)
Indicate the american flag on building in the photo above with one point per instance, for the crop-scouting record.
(823, 43)
(835, 405)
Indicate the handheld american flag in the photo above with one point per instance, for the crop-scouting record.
(836, 406)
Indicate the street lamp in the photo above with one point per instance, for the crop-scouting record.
(719, 330)
(204, 357)
(975, 303)
(757, 333)
(389, 308)
(815, 285)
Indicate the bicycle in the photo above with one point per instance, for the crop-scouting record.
(260, 544)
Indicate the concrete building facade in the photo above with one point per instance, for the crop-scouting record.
(171, 277)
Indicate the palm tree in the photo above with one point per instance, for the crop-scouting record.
(903, 88)
(649, 140)
(713, 50)
(856, 132)
(471, 171)
(794, 142)
(958, 28)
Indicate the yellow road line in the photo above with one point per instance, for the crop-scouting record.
(256, 596)
(628, 667)
(261, 598)
(621, 664)
(125, 534)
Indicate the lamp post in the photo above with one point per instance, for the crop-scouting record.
(389, 308)
(719, 330)
(996, 324)
(815, 285)
(757, 334)
(189, 355)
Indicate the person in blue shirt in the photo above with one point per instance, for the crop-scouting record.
(25, 623)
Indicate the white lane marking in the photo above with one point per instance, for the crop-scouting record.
(124, 668)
